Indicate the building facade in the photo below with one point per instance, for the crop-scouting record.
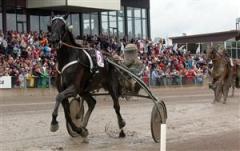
(88, 17)
(230, 40)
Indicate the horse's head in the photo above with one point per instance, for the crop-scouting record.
(57, 28)
(211, 53)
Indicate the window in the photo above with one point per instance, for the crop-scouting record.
(228, 45)
(94, 24)
(104, 17)
(34, 23)
(138, 28)
(75, 23)
(137, 12)
(229, 51)
(130, 28)
(44, 22)
(129, 12)
(137, 22)
(21, 23)
(21, 18)
(113, 23)
(144, 13)
(238, 44)
(144, 27)
(121, 32)
(238, 53)
(130, 22)
(1, 28)
(11, 22)
(234, 44)
(86, 24)
(234, 53)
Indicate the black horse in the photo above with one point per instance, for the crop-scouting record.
(79, 76)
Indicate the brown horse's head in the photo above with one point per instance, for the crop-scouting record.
(211, 53)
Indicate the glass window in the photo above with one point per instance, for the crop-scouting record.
(234, 44)
(144, 13)
(238, 51)
(11, 22)
(86, 24)
(130, 28)
(229, 51)
(104, 23)
(0, 21)
(234, 53)
(137, 12)
(121, 12)
(94, 24)
(228, 45)
(144, 26)
(113, 21)
(21, 17)
(129, 12)
(121, 32)
(75, 23)
(138, 28)
(44, 22)
(113, 13)
(238, 44)
(34, 23)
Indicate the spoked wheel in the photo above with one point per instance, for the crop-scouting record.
(76, 108)
(156, 121)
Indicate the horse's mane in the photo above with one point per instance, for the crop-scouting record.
(72, 39)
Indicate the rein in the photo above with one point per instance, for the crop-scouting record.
(80, 48)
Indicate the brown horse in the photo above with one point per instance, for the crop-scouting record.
(236, 76)
(221, 73)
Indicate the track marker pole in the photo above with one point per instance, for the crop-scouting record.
(163, 131)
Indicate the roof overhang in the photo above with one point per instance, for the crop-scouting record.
(209, 37)
(74, 5)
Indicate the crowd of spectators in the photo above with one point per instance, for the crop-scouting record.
(29, 56)
(26, 56)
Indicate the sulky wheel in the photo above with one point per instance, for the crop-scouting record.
(156, 121)
(76, 108)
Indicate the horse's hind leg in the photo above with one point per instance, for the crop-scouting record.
(91, 105)
(219, 90)
(225, 93)
(233, 88)
(70, 91)
(121, 122)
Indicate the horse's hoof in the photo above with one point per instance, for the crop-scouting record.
(122, 134)
(54, 127)
(224, 102)
(84, 132)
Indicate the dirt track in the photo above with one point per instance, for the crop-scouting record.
(194, 124)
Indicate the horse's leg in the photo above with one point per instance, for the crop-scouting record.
(233, 87)
(220, 92)
(121, 122)
(225, 93)
(91, 102)
(70, 91)
(215, 96)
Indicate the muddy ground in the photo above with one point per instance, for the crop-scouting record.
(194, 124)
